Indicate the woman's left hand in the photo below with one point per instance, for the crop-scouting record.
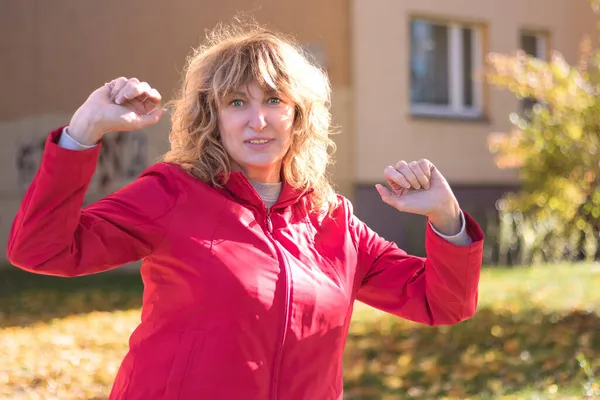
(419, 188)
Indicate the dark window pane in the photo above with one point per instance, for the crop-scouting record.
(529, 44)
(429, 63)
(467, 57)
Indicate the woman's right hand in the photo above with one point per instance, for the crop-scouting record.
(120, 105)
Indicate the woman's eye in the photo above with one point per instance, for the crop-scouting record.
(274, 100)
(237, 103)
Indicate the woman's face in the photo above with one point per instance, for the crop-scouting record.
(256, 131)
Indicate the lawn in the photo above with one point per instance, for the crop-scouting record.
(64, 339)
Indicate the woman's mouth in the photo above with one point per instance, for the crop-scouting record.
(258, 141)
(258, 144)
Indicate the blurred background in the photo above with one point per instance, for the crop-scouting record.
(502, 96)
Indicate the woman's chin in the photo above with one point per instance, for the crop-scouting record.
(264, 163)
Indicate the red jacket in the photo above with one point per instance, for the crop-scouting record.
(239, 302)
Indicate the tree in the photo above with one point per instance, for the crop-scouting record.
(556, 148)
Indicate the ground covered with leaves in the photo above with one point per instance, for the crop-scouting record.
(536, 336)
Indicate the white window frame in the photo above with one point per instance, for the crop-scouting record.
(457, 108)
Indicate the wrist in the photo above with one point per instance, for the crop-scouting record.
(85, 132)
(447, 221)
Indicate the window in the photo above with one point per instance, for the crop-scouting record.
(443, 60)
(535, 45)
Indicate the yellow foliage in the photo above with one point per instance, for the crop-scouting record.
(522, 344)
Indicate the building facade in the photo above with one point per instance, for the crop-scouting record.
(405, 78)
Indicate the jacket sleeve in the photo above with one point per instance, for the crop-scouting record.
(53, 235)
(441, 289)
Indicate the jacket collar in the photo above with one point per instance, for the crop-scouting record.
(240, 187)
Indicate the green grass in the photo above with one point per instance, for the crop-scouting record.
(64, 339)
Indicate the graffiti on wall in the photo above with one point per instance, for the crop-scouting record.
(28, 160)
(123, 156)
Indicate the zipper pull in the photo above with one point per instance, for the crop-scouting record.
(269, 223)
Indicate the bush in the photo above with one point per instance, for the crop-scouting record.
(556, 147)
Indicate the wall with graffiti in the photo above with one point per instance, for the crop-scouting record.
(123, 156)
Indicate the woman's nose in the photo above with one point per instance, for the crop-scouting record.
(257, 119)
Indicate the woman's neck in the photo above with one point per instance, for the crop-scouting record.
(268, 192)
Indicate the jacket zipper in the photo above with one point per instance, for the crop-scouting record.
(279, 355)
(269, 222)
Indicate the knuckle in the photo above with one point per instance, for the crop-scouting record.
(129, 87)
(137, 89)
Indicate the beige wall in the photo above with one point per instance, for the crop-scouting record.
(385, 129)
(58, 52)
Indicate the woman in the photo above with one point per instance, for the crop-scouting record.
(251, 262)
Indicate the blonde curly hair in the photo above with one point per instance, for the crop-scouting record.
(233, 56)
